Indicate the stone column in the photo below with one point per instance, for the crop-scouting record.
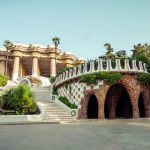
(15, 68)
(135, 108)
(146, 96)
(2, 67)
(53, 67)
(101, 114)
(34, 66)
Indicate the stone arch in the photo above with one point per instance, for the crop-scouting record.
(117, 102)
(83, 113)
(92, 109)
(133, 88)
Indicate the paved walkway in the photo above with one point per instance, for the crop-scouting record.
(107, 135)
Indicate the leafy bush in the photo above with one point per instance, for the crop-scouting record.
(52, 79)
(113, 77)
(144, 78)
(88, 78)
(64, 100)
(107, 76)
(102, 75)
(20, 99)
(3, 80)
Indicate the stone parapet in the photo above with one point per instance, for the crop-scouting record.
(127, 66)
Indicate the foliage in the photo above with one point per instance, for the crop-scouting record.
(7, 44)
(109, 54)
(121, 54)
(20, 99)
(142, 53)
(3, 80)
(56, 41)
(52, 79)
(113, 77)
(54, 90)
(141, 49)
(144, 78)
(107, 76)
(64, 100)
(144, 59)
(88, 78)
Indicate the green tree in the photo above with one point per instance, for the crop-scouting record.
(109, 54)
(142, 53)
(141, 49)
(7, 44)
(56, 41)
(121, 54)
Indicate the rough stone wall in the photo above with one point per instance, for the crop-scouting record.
(80, 93)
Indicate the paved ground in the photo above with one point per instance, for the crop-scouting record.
(108, 135)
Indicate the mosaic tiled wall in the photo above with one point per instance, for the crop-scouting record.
(74, 91)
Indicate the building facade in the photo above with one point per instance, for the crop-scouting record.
(35, 60)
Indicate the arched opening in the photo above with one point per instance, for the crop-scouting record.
(141, 106)
(124, 107)
(118, 103)
(92, 110)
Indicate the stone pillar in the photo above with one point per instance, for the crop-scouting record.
(2, 67)
(53, 67)
(101, 95)
(146, 96)
(101, 114)
(34, 66)
(15, 68)
(135, 108)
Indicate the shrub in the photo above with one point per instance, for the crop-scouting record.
(113, 78)
(88, 78)
(102, 75)
(108, 77)
(144, 78)
(52, 79)
(64, 100)
(20, 99)
(3, 80)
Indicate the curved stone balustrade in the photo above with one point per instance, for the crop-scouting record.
(102, 65)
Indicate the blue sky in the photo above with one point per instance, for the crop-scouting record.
(83, 26)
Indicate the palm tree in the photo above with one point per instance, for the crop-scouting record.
(7, 44)
(56, 41)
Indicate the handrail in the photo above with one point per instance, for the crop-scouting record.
(78, 71)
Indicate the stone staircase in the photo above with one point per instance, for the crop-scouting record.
(50, 111)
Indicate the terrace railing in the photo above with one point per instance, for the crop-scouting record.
(126, 65)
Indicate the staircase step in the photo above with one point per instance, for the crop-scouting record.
(50, 109)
